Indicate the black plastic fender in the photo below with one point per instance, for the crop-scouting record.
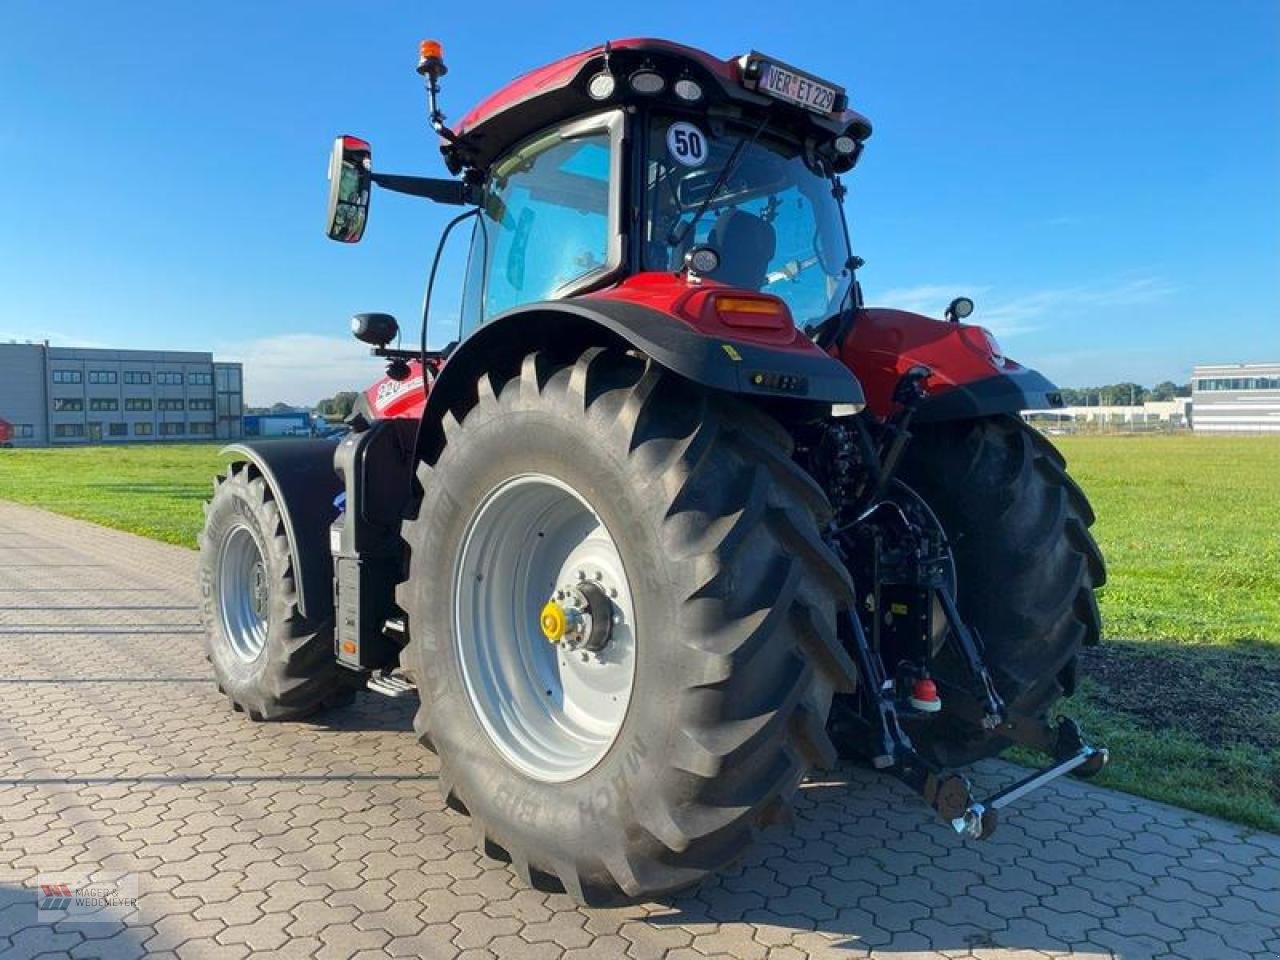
(1021, 389)
(303, 483)
(735, 366)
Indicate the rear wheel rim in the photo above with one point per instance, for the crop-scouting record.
(551, 711)
(243, 594)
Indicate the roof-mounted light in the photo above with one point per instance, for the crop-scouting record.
(688, 90)
(647, 82)
(601, 86)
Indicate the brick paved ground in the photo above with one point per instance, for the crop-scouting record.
(327, 838)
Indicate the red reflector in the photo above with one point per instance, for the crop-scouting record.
(924, 696)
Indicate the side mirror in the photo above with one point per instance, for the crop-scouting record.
(376, 329)
(350, 183)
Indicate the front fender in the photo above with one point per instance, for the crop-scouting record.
(300, 475)
(966, 380)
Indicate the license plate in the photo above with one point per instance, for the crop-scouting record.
(798, 88)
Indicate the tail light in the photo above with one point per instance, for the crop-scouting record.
(752, 312)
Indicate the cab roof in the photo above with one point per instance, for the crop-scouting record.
(557, 92)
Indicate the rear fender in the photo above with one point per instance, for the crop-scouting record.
(967, 379)
(734, 364)
(303, 484)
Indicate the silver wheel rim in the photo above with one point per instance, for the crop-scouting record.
(552, 712)
(243, 593)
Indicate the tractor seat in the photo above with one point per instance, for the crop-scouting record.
(746, 244)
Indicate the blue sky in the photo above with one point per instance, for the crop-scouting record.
(1103, 179)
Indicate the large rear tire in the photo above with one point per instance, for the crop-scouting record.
(1027, 567)
(270, 661)
(729, 625)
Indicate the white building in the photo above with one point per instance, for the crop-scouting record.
(1236, 398)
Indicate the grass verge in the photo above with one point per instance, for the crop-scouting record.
(155, 491)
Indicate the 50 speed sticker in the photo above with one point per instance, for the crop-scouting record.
(687, 144)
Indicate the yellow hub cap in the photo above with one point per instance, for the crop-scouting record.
(553, 622)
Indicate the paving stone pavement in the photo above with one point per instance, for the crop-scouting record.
(328, 839)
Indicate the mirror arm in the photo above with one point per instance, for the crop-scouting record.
(453, 192)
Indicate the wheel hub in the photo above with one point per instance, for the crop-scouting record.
(580, 616)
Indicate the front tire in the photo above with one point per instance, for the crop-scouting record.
(1026, 565)
(270, 661)
(732, 601)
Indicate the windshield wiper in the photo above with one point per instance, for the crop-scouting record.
(674, 240)
(834, 328)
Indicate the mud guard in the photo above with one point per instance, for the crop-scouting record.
(303, 483)
(1024, 389)
(729, 364)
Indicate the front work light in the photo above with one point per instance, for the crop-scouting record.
(958, 309)
(702, 260)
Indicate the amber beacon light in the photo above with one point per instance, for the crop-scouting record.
(431, 58)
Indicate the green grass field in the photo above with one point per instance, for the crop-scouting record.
(1186, 690)
(152, 490)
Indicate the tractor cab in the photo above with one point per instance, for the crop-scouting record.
(644, 157)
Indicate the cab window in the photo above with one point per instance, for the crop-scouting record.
(547, 227)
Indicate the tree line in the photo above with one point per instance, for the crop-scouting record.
(1126, 394)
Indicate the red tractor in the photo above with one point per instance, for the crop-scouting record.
(675, 517)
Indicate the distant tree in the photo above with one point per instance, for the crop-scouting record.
(339, 406)
(280, 407)
(1124, 394)
(1074, 397)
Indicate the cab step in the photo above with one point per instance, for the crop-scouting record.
(390, 685)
